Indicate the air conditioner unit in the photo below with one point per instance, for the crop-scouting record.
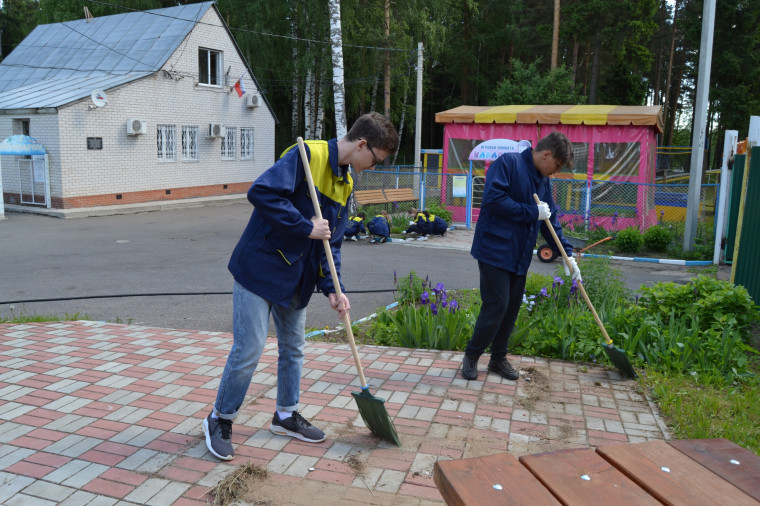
(217, 130)
(136, 126)
(252, 101)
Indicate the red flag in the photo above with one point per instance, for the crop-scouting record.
(240, 87)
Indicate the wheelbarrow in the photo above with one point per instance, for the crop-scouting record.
(548, 254)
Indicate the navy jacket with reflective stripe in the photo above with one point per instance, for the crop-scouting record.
(274, 258)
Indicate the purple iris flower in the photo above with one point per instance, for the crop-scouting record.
(574, 287)
(543, 292)
(559, 280)
(453, 306)
(434, 309)
(425, 298)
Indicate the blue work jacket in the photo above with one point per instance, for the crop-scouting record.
(355, 225)
(379, 226)
(275, 259)
(508, 225)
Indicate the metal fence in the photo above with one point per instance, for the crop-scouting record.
(597, 203)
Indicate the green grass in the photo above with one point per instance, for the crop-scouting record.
(698, 411)
(38, 318)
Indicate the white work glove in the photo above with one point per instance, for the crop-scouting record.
(576, 271)
(543, 211)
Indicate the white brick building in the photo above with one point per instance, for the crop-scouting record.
(168, 73)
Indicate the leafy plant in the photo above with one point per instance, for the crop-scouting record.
(439, 211)
(437, 323)
(710, 299)
(657, 238)
(629, 240)
(409, 288)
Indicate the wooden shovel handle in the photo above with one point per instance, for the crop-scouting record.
(580, 282)
(328, 252)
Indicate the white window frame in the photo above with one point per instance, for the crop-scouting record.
(212, 72)
(190, 144)
(228, 144)
(166, 143)
(246, 143)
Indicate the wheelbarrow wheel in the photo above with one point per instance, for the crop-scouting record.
(547, 254)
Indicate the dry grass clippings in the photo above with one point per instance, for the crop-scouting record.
(235, 485)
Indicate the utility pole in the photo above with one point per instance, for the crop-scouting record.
(387, 87)
(700, 124)
(418, 113)
(555, 36)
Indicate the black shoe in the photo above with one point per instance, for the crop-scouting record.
(503, 368)
(470, 368)
(218, 433)
(296, 426)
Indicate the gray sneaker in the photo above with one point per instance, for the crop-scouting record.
(296, 426)
(218, 433)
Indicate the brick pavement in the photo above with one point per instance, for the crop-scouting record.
(98, 413)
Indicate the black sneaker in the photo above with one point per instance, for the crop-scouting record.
(470, 368)
(219, 437)
(503, 368)
(296, 426)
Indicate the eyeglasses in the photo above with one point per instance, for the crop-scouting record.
(374, 156)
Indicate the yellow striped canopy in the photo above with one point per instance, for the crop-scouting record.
(555, 114)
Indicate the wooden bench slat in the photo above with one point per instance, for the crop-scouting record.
(384, 196)
(687, 482)
(561, 472)
(716, 455)
(470, 481)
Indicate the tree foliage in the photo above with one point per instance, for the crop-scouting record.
(527, 84)
(477, 52)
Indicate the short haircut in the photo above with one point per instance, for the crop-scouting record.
(361, 214)
(377, 130)
(560, 147)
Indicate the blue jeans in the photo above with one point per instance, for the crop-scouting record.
(250, 324)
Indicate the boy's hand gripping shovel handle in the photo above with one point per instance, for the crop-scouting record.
(328, 252)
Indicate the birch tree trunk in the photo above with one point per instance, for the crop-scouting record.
(295, 124)
(308, 105)
(339, 91)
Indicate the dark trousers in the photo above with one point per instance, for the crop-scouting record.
(501, 292)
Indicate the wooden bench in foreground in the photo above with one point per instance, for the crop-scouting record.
(687, 472)
(364, 197)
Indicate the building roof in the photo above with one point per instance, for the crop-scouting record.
(59, 63)
(555, 114)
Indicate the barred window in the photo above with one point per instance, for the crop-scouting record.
(228, 144)
(246, 143)
(190, 143)
(165, 140)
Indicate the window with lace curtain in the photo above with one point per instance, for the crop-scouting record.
(246, 143)
(165, 141)
(228, 144)
(190, 143)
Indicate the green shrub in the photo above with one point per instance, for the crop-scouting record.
(709, 299)
(657, 238)
(629, 240)
(439, 211)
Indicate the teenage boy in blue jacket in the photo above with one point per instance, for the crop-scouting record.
(506, 234)
(278, 262)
